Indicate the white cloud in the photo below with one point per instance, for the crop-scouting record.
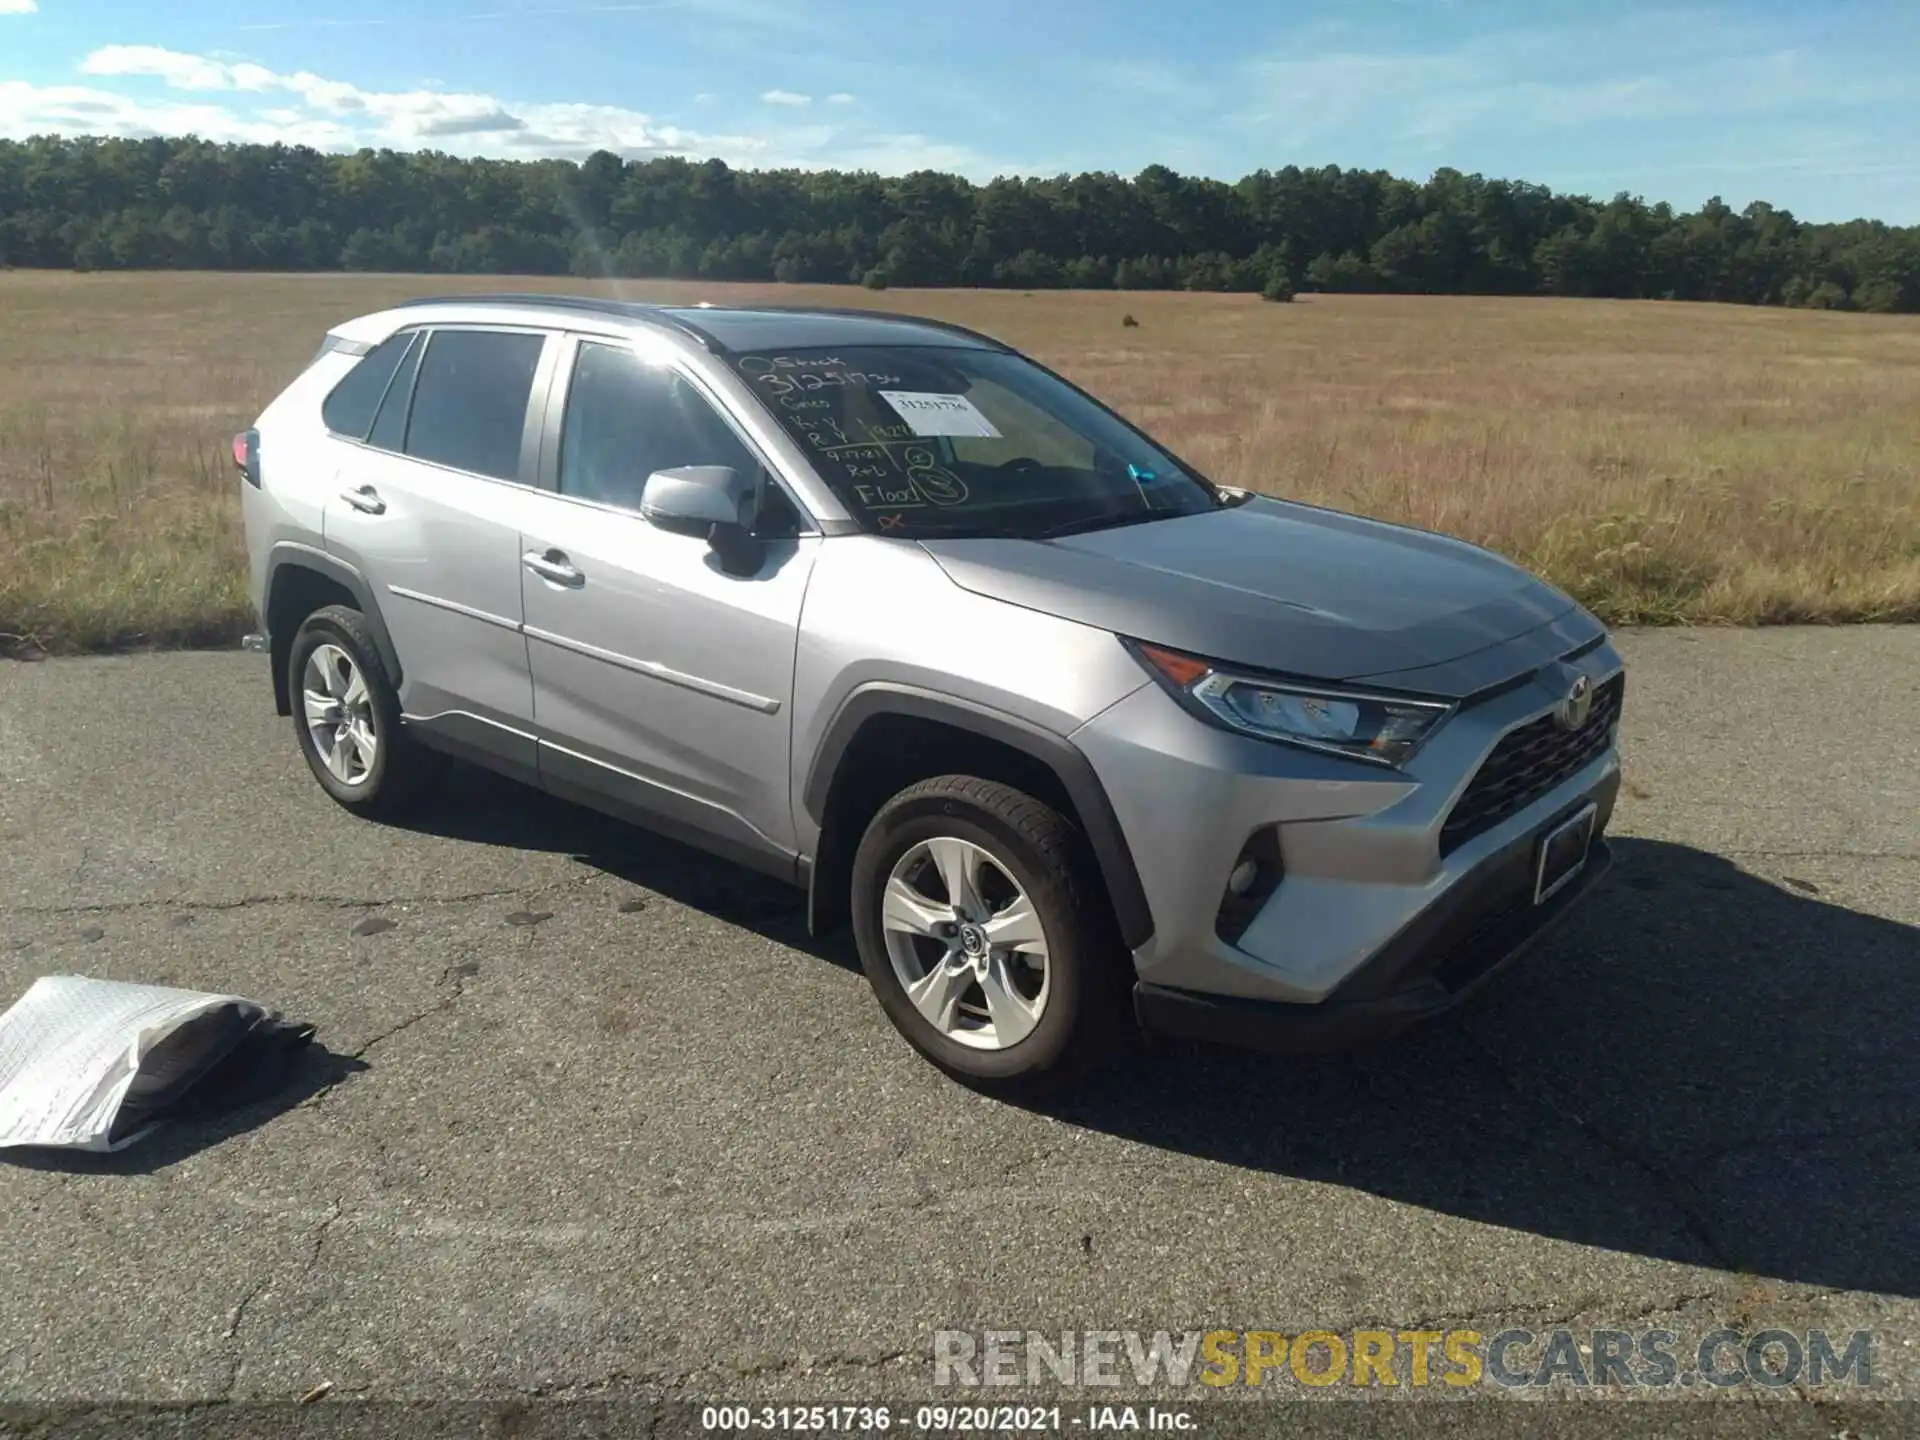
(229, 99)
(752, 15)
(181, 72)
(18, 7)
(1152, 81)
(349, 115)
(840, 98)
(904, 154)
(1652, 67)
(82, 110)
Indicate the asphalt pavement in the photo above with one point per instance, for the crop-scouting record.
(593, 1118)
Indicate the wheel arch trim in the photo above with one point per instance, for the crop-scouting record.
(1068, 764)
(289, 554)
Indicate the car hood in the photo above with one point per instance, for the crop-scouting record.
(1291, 588)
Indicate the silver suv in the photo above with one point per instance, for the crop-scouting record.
(1068, 732)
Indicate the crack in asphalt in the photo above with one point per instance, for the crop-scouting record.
(237, 1316)
(1819, 854)
(334, 1212)
(803, 1362)
(444, 1003)
(338, 902)
(1551, 1318)
(236, 1320)
(564, 885)
(1669, 1188)
(1817, 1135)
(449, 974)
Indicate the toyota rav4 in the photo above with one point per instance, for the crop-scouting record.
(1066, 731)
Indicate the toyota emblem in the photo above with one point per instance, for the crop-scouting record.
(1578, 705)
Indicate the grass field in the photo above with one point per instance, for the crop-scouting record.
(1664, 463)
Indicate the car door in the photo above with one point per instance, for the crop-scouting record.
(430, 507)
(660, 681)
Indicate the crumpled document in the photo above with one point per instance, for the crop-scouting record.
(97, 1064)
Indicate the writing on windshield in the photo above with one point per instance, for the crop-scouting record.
(935, 441)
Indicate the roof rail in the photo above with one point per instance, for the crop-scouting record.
(524, 297)
(631, 309)
(924, 321)
(674, 318)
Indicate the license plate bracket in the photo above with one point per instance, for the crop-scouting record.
(1562, 853)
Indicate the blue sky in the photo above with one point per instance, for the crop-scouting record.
(1811, 104)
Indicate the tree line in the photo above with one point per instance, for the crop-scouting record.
(187, 203)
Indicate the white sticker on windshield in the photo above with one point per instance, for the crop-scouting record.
(931, 414)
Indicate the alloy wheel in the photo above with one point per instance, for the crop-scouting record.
(339, 713)
(966, 943)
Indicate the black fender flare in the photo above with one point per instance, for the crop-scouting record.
(1061, 756)
(289, 555)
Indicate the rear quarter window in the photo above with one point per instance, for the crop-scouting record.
(349, 409)
(390, 425)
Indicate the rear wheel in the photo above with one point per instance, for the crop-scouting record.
(981, 932)
(346, 715)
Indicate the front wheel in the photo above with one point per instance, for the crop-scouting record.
(981, 931)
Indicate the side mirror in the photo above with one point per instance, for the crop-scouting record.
(690, 497)
(709, 499)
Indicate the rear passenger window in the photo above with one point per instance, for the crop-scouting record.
(349, 409)
(470, 400)
(390, 425)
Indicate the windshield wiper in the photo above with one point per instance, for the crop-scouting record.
(1099, 522)
(1079, 526)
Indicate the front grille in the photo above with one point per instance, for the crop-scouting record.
(1529, 762)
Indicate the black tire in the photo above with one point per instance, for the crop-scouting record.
(399, 766)
(1041, 851)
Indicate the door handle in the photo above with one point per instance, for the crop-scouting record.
(553, 565)
(366, 500)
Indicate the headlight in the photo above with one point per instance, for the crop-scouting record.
(1386, 729)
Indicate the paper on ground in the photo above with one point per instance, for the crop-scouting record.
(71, 1048)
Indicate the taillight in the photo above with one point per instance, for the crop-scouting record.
(246, 455)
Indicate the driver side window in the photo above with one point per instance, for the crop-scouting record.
(626, 419)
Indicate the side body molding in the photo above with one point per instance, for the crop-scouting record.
(1069, 766)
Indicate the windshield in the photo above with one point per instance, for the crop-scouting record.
(922, 441)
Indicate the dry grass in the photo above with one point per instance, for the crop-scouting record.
(1664, 463)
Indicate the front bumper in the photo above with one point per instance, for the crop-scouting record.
(1373, 908)
(1482, 925)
